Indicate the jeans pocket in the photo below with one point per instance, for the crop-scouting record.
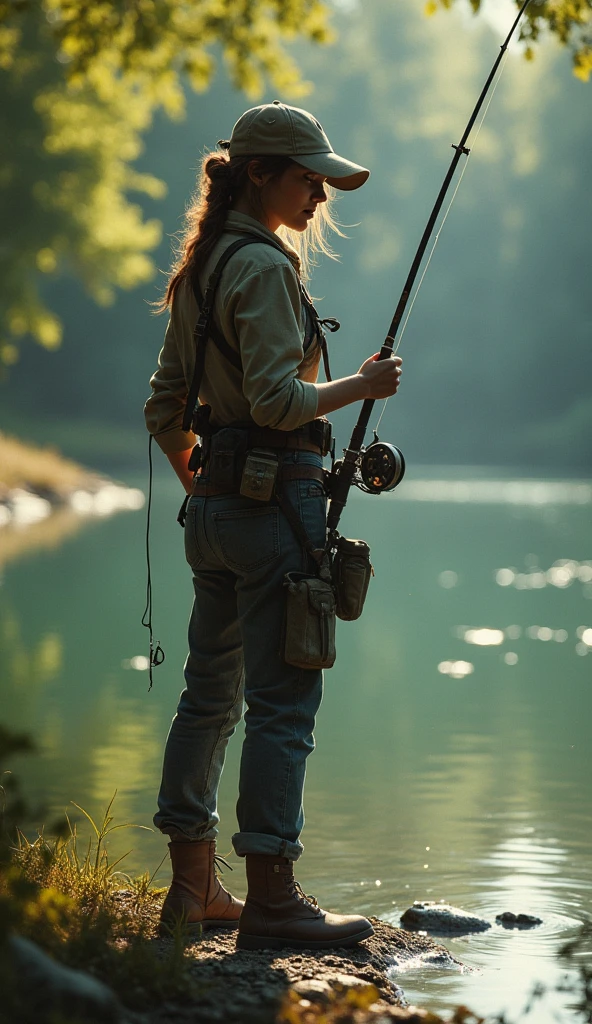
(248, 538)
(312, 504)
(192, 550)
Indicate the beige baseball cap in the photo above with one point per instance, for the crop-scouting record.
(279, 130)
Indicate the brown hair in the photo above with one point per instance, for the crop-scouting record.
(222, 179)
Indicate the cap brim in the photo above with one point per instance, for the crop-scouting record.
(338, 171)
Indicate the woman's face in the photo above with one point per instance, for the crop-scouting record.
(292, 198)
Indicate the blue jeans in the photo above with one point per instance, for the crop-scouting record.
(239, 550)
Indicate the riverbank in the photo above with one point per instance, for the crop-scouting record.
(45, 497)
(209, 981)
(76, 945)
(300, 986)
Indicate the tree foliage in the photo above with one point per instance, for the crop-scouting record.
(81, 81)
(569, 20)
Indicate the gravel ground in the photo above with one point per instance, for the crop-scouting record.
(244, 987)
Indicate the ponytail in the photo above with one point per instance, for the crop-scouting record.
(204, 219)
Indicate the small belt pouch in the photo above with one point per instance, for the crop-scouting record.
(351, 572)
(195, 458)
(259, 474)
(321, 433)
(310, 621)
(227, 450)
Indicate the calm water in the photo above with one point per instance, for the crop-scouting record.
(453, 752)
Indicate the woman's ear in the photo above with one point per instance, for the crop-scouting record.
(256, 175)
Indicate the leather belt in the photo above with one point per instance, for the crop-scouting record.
(202, 488)
(267, 438)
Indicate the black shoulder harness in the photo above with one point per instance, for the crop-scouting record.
(206, 328)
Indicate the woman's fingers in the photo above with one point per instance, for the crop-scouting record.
(381, 376)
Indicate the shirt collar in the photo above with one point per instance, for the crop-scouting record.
(241, 222)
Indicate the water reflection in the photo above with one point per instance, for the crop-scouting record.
(439, 773)
(129, 752)
(483, 637)
(537, 493)
(456, 669)
(25, 666)
(561, 574)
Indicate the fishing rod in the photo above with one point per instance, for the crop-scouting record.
(381, 466)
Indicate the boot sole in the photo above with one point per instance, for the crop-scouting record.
(166, 930)
(264, 942)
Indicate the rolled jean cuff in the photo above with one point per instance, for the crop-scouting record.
(260, 842)
(178, 835)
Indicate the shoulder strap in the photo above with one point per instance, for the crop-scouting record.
(216, 335)
(313, 318)
(206, 328)
(203, 327)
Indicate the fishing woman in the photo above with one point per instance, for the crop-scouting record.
(259, 399)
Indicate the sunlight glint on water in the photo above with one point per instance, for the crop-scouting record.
(453, 757)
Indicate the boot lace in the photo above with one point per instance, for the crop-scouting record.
(296, 890)
(218, 860)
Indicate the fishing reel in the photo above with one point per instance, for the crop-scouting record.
(380, 468)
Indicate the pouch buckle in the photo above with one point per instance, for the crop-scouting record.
(259, 474)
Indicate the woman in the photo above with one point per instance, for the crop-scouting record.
(259, 380)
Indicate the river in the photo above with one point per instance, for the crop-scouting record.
(453, 756)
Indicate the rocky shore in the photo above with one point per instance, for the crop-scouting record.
(229, 986)
(241, 986)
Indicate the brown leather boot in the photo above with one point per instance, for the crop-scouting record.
(278, 914)
(196, 897)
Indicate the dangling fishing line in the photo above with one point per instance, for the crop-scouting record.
(156, 653)
(442, 223)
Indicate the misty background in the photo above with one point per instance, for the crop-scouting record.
(497, 359)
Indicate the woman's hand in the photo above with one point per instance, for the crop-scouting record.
(375, 379)
(382, 376)
(178, 461)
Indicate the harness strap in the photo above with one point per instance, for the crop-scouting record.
(206, 326)
(329, 322)
(203, 327)
(319, 556)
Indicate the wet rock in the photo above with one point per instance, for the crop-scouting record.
(348, 981)
(316, 990)
(442, 919)
(320, 990)
(49, 991)
(510, 920)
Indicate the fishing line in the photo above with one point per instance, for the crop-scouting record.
(443, 221)
(156, 655)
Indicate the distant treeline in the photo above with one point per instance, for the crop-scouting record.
(497, 354)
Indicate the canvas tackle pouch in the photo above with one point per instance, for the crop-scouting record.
(259, 474)
(350, 572)
(310, 621)
(226, 458)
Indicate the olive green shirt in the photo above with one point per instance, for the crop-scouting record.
(259, 310)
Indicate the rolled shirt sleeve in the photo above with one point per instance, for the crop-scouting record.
(266, 310)
(165, 408)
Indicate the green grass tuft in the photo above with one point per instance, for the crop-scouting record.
(65, 894)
